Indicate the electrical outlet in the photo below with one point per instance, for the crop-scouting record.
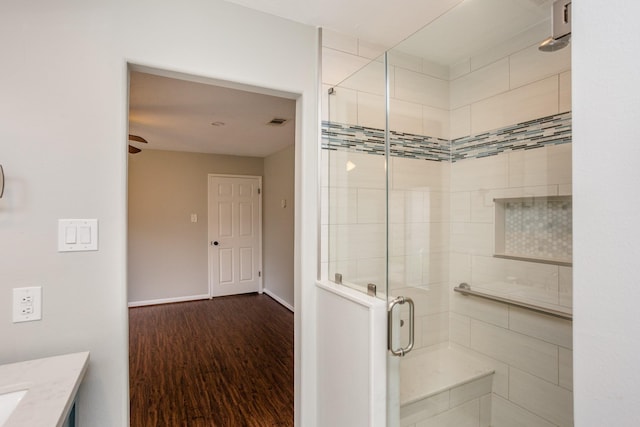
(27, 304)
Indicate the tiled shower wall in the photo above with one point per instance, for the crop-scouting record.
(451, 241)
(531, 353)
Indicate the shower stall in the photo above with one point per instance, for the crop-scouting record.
(446, 194)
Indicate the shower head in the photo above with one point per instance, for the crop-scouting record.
(551, 44)
(560, 26)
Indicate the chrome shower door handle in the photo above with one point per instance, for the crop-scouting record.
(402, 350)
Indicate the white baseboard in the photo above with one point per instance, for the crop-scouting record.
(279, 300)
(167, 300)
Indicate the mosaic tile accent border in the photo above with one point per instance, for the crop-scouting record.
(338, 136)
(550, 130)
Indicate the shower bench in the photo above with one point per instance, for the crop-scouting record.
(446, 385)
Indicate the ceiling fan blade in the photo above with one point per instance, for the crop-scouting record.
(134, 150)
(137, 139)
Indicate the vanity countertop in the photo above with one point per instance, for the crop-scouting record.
(51, 384)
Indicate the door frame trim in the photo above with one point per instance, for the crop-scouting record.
(209, 261)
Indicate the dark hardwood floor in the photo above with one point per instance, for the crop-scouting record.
(222, 362)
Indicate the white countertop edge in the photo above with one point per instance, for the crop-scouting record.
(51, 384)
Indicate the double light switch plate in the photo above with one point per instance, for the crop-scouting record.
(77, 235)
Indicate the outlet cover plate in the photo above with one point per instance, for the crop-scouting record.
(27, 304)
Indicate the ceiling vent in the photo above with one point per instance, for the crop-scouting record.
(277, 122)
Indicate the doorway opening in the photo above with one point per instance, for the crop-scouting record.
(182, 129)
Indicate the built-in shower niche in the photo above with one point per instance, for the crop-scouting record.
(537, 229)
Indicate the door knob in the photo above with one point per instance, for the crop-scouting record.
(215, 243)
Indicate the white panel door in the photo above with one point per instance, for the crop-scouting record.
(235, 256)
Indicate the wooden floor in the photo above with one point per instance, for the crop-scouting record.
(222, 362)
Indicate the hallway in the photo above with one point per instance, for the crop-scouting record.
(221, 362)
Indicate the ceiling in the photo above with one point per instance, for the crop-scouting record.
(180, 115)
(383, 22)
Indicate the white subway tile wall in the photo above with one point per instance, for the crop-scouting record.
(460, 122)
(338, 65)
(371, 109)
(538, 99)
(459, 69)
(435, 122)
(508, 414)
(460, 329)
(421, 88)
(406, 116)
(368, 79)
(566, 368)
(565, 287)
(343, 105)
(483, 83)
(526, 353)
(538, 346)
(551, 402)
(565, 92)
(527, 38)
(530, 64)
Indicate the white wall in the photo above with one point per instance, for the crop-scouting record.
(167, 253)
(63, 133)
(606, 83)
(278, 225)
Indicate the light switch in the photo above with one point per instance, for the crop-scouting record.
(77, 235)
(283, 203)
(84, 234)
(194, 217)
(70, 234)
